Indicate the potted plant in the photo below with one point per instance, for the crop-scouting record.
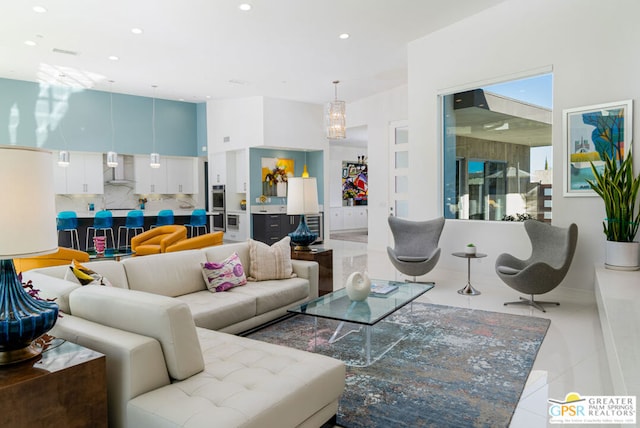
(618, 188)
(470, 249)
(348, 195)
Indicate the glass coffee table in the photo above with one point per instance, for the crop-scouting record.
(366, 314)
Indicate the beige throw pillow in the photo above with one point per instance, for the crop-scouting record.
(270, 262)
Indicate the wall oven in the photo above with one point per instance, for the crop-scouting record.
(217, 198)
(218, 209)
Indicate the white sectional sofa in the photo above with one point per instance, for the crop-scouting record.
(179, 275)
(165, 370)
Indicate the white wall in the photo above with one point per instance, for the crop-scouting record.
(591, 46)
(377, 112)
(239, 119)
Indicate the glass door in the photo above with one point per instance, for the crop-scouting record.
(399, 169)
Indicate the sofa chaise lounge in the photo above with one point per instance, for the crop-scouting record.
(170, 362)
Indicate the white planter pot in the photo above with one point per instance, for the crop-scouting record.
(622, 255)
(358, 286)
(470, 250)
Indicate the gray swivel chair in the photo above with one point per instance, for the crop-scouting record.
(415, 249)
(552, 252)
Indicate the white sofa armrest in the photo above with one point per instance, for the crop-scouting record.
(310, 271)
(135, 363)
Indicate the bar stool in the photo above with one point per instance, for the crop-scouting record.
(134, 223)
(103, 221)
(67, 221)
(198, 221)
(165, 218)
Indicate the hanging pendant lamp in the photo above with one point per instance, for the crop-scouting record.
(154, 158)
(335, 117)
(112, 156)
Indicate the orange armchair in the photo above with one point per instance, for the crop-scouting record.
(156, 240)
(201, 241)
(63, 256)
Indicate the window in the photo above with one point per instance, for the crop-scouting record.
(498, 152)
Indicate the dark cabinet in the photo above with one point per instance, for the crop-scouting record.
(270, 228)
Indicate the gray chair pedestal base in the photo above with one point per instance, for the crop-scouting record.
(531, 302)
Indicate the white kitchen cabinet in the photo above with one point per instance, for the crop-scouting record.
(241, 171)
(150, 180)
(336, 220)
(219, 168)
(344, 218)
(182, 175)
(83, 175)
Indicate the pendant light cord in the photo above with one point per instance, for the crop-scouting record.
(113, 127)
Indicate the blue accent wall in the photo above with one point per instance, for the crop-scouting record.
(62, 118)
(315, 167)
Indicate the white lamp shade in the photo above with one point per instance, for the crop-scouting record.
(28, 214)
(302, 196)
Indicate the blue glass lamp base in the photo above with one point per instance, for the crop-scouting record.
(302, 237)
(23, 318)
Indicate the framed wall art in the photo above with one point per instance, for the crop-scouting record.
(590, 134)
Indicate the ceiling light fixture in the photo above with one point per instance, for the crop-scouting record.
(63, 155)
(39, 9)
(137, 30)
(335, 117)
(112, 156)
(30, 43)
(155, 156)
(344, 36)
(114, 57)
(245, 7)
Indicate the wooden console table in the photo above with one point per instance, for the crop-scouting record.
(66, 386)
(324, 258)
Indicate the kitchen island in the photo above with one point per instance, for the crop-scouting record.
(85, 219)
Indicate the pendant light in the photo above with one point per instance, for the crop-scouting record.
(155, 156)
(335, 117)
(112, 156)
(63, 155)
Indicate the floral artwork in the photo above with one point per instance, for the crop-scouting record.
(592, 133)
(275, 174)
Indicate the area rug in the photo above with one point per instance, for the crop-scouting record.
(456, 367)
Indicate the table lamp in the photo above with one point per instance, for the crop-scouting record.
(302, 198)
(27, 228)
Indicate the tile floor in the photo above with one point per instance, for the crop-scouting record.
(571, 358)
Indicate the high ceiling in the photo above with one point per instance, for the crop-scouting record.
(209, 49)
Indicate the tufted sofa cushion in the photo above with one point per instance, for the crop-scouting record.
(164, 319)
(245, 383)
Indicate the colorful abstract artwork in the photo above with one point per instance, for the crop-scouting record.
(355, 182)
(593, 133)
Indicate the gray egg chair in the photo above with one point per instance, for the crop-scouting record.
(415, 250)
(552, 252)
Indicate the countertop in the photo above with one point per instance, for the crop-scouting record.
(146, 213)
(274, 209)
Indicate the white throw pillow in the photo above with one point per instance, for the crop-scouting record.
(270, 262)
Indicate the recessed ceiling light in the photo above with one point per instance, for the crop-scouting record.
(137, 30)
(30, 43)
(245, 7)
(39, 9)
(113, 57)
(344, 36)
